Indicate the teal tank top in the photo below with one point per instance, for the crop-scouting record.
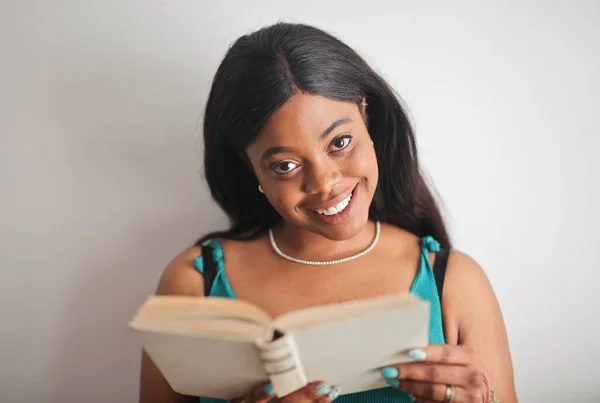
(423, 286)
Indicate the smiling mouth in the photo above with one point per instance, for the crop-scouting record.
(342, 206)
(338, 208)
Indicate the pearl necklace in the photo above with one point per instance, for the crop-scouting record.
(328, 262)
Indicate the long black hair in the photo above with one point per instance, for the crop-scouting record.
(263, 70)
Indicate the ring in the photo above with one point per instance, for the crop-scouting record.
(449, 394)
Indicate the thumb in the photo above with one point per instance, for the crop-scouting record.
(316, 391)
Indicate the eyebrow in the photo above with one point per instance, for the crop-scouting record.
(335, 124)
(277, 150)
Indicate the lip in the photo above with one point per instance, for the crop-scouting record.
(340, 217)
(333, 202)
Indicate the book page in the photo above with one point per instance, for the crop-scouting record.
(351, 352)
(316, 315)
(199, 314)
(199, 365)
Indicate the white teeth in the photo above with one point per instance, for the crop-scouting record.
(338, 208)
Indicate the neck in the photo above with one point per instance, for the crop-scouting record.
(305, 244)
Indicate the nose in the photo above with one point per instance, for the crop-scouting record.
(321, 178)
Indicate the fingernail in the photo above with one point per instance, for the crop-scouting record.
(334, 393)
(394, 383)
(323, 389)
(389, 372)
(270, 389)
(417, 354)
(412, 398)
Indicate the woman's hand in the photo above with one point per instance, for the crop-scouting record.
(314, 392)
(442, 373)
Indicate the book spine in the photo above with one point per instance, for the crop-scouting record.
(282, 364)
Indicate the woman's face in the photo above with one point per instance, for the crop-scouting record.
(316, 164)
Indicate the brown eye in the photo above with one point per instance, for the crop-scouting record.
(284, 167)
(341, 142)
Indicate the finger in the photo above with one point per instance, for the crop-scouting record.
(424, 390)
(435, 373)
(460, 395)
(445, 354)
(323, 392)
(437, 392)
(332, 395)
(261, 394)
(316, 391)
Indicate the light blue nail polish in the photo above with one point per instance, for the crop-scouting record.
(270, 389)
(417, 354)
(394, 383)
(323, 389)
(412, 398)
(334, 393)
(389, 372)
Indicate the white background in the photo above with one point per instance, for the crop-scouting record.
(101, 184)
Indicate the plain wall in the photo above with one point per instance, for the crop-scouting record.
(101, 182)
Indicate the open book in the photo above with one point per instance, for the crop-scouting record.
(222, 348)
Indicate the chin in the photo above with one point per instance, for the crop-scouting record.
(342, 232)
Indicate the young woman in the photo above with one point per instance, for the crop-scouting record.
(310, 154)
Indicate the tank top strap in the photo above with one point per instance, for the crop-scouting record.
(429, 244)
(199, 264)
(217, 256)
(425, 287)
(215, 279)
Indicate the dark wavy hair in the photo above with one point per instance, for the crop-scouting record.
(263, 70)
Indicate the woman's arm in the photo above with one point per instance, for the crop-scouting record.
(179, 278)
(475, 340)
(474, 319)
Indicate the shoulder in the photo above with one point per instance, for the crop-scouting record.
(242, 251)
(181, 277)
(468, 297)
(465, 276)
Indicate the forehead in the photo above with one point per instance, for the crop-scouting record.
(305, 116)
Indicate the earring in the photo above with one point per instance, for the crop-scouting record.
(260, 189)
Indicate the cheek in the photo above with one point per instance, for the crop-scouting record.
(364, 164)
(285, 198)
